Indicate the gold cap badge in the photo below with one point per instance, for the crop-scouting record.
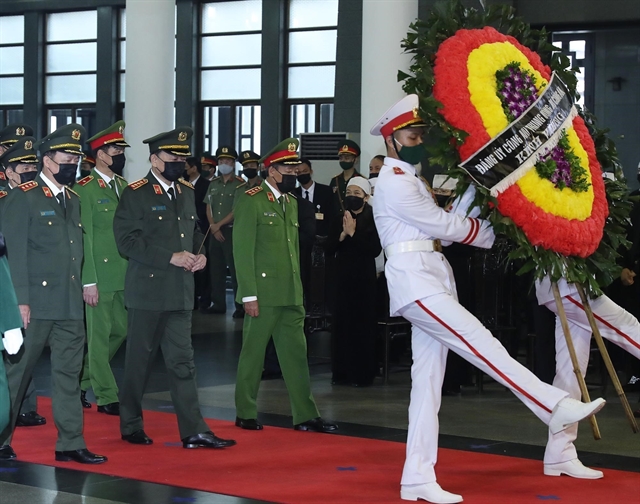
(182, 136)
(20, 131)
(75, 134)
(291, 147)
(415, 113)
(246, 155)
(225, 150)
(121, 130)
(28, 145)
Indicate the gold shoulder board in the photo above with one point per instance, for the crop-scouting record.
(84, 181)
(138, 184)
(186, 183)
(254, 190)
(72, 191)
(3, 194)
(27, 186)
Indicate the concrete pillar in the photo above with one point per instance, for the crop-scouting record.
(149, 96)
(385, 24)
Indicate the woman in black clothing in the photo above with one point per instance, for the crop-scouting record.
(354, 241)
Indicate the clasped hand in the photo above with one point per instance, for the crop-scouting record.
(188, 261)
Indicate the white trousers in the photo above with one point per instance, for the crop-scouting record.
(616, 325)
(441, 323)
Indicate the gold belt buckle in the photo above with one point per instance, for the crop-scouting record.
(437, 246)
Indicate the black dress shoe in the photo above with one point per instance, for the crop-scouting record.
(248, 424)
(239, 313)
(110, 409)
(138, 437)
(316, 425)
(83, 399)
(30, 419)
(206, 440)
(7, 453)
(83, 456)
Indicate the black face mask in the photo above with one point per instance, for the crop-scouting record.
(66, 174)
(173, 170)
(353, 203)
(305, 178)
(27, 176)
(117, 163)
(373, 175)
(288, 183)
(250, 173)
(347, 165)
(264, 174)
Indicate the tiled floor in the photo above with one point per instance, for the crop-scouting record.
(494, 421)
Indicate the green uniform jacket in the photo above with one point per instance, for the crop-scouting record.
(10, 317)
(266, 249)
(103, 264)
(148, 229)
(44, 249)
(220, 196)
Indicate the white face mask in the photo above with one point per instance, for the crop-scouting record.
(225, 169)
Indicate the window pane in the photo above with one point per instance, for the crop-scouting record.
(326, 117)
(58, 118)
(312, 47)
(72, 26)
(310, 13)
(123, 23)
(231, 50)
(11, 60)
(87, 117)
(122, 86)
(123, 55)
(11, 89)
(236, 16)
(241, 84)
(11, 29)
(303, 119)
(577, 46)
(72, 57)
(71, 88)
(14, 116)
(312, 82)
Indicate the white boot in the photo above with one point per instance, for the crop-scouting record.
(573, 468)
(569, 411)
(431, 492)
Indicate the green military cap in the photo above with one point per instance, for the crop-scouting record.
(349, 147)
(285, 152)
(67, 138)
(88, 157)
(14, 132)
(175, 141)
(113, 135)
(22, 151)
(249, 156)
(207, 158)
(226, 151)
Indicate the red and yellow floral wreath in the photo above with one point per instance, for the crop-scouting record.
(561, 220)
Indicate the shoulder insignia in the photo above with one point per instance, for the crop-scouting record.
(178, 189)
(84, 181)
(186, 183)
(240, 185)
(47, 192)
(72, 192)
(138, 184)
(293, 195)
(215, 178)
(102, 183)
(3, 194)
(120, 177)
(239, 179)
(3, 176)
(27, 186)
(398, 171)
(254, 190)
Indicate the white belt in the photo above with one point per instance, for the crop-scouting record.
(413, 246)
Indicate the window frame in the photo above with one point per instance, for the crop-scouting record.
(13, 106)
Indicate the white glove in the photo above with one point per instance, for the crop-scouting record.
(12, 341)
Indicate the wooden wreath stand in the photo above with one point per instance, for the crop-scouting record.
(603, 352)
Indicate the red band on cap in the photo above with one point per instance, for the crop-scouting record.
(399, 122)
(280, 156)
(103, 140)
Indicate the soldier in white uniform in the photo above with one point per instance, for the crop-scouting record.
(422, 290)
(616, 325)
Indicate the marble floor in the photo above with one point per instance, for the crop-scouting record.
(493, 421)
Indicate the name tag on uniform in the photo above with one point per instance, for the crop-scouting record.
(159, 208)
(319, 216)
(103, 201)
(270, 214)
(47, 213)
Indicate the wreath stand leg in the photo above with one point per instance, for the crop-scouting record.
(607, 360)
(574, 359)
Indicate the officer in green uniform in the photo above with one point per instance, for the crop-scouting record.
(104, 268)
(9, 136)
(250, 162)
(41, 224)
(10, 324)
(266, 245)
(21, 165)
(219, 199)
(348, 154)
(155, 228)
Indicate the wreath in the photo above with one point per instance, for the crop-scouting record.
(476, 74)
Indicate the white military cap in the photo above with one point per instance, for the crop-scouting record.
(403, 114)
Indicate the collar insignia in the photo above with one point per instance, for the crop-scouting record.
(47, 192)
(271, 197)
(157, 189)
(102, 183)
(398, 171)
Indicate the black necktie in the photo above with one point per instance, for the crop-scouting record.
(171, 193)
(60, 198)
(114, 186)
(306, 195)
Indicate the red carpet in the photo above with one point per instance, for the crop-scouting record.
(283, 465)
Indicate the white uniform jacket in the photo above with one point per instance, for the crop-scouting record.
(404, 211)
